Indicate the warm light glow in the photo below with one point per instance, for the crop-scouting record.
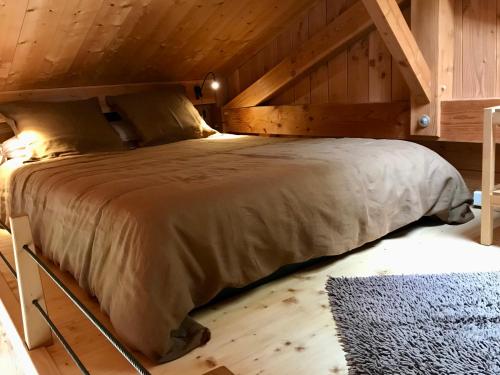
(27, 138)
(215, 85)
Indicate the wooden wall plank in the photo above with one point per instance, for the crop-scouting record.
(462, 120)
(400, 41)
(373, 120)
(380, 69)
(350, 25)
(337, 66)
(357, 72)
(458, 49)
(300, 35)
(284, 47)
(479, 57)
(337, 78)
(319, 76)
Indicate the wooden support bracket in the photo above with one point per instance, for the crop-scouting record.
(36, 332)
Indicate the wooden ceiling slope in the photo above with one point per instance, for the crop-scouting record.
(61, 43)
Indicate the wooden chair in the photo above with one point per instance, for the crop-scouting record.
(490, 196)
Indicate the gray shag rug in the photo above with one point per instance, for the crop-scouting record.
(432, 324)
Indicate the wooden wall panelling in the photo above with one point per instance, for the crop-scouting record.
(375, 120)
(462, 120)
(302, 87)
(458, 49)
(357, 72)
(401, 43)
(349, 26)
(319, 76)
(337, 66)
(283, 47)
(432, 26)
(497, 61)
(379, 73)
(479, 41)
(337, 78)
(375, 85)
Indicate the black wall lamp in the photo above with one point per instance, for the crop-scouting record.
(198, 90)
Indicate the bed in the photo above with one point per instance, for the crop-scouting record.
(157, 231)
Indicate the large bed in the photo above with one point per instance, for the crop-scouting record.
(157, 231)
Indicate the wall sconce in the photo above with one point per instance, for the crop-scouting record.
(198, 90)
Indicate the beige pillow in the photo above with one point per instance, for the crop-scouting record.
(50, 129)
(161, 116)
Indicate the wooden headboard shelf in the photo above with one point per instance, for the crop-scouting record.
(85, 92)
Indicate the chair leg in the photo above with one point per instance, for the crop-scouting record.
(488, 177)
(486, 225)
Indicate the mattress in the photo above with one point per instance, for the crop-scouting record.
(157, 231)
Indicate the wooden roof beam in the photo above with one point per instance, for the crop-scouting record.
(345, 28)
(400, 41)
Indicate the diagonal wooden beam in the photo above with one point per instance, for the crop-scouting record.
(400, 41)
(348, 26)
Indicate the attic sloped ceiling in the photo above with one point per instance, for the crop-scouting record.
(60, 43)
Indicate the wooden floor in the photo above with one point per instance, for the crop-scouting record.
(283, 327)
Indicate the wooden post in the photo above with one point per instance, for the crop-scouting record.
(36, 331)
(432, 25)
(488, 177)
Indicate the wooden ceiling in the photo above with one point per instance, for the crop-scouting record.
(60, 43)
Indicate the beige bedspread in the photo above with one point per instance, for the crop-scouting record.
(156, 231)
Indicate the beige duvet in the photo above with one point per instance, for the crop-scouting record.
(157, 231)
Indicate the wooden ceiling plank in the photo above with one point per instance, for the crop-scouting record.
(264, 26)
(208, 35)
(71, 35)
(65, 43)
(400, 41)
(352, 23)
(253, 43)
(106, 25)
(11, 21)
(125, 34)
(227, 39)
(174, 30)
(156, 23)
(36, 30)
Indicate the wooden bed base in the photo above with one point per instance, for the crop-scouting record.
(31, 337)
